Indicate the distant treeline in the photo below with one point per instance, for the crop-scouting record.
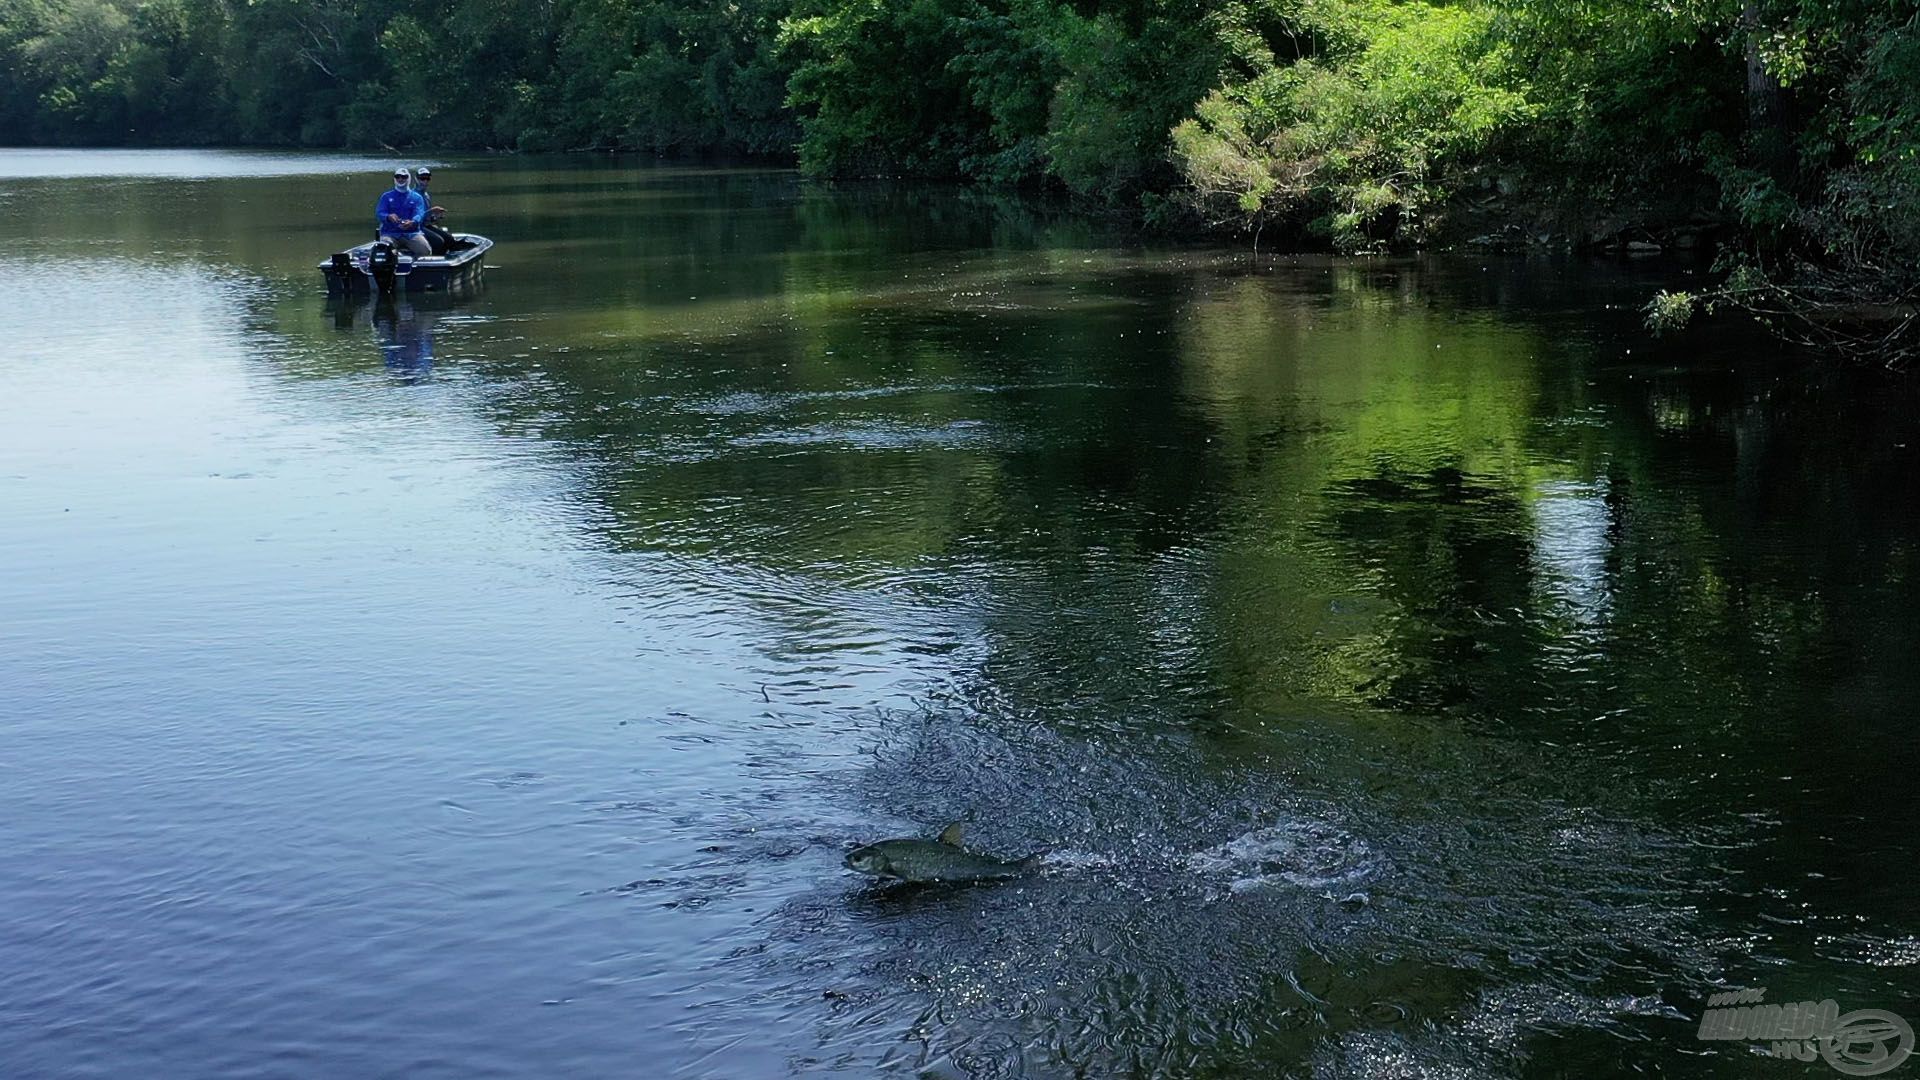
(1361, 122)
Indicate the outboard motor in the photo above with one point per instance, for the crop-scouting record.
(383, 263)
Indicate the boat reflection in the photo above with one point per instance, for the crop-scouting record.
(403, 326)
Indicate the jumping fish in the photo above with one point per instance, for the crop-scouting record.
(938, 860)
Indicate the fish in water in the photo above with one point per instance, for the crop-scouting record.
(938, 860)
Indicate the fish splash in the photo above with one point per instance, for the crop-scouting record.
(1301, 852)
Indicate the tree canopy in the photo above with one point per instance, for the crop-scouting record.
(1361, 123)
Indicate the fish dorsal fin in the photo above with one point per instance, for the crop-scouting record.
(950, 835)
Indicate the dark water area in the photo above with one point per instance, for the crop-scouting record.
(1410, 667)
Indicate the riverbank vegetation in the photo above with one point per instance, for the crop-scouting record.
(1784, 130)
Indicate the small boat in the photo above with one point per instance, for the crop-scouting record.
(381, 267)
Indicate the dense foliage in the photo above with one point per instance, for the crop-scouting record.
(1363, 122)
(501, 74)
(1363, 115)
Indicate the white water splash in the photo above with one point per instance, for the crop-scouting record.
(1302, 852)
(1064, 862)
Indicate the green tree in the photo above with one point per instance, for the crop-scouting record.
(670, 77)
(876, 90)
(1358, 116)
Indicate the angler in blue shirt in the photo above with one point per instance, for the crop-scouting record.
(399, 213)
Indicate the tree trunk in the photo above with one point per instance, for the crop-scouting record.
(1763, 89)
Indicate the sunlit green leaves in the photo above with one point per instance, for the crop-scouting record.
(1360, 134)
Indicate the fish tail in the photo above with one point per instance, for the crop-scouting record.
(1032, 860)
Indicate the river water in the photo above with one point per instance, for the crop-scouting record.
(1411, 668)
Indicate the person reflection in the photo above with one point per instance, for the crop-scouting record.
(406, 338)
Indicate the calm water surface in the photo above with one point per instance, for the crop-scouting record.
(1412, 669)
